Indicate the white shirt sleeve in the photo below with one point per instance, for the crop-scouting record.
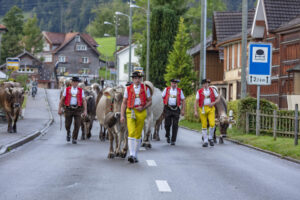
(126, 94)
(82, 94)
(182, 95)
(148, 93)
(216, 93)
(164, 93)
(65, 92)
(197, 95)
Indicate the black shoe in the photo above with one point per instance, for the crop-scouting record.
(135, 159)
(205, 144)
(74, 142)
(68, 138)
(172, 143)
(131, 159)
(168, 140)
(211, 143)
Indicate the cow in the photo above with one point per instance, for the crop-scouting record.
(153, 113)
(158, 125)
(11, 100)
(88, 120)
(108, 114)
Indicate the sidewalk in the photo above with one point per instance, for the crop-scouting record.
(36, 119)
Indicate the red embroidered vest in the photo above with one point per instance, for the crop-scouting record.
(201, 96)
(131, 96)
(178, 98)
(69, 95)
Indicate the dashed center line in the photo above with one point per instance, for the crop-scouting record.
(151, 163)
(163, 186)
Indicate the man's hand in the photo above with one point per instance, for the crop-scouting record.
(84, 113)
(196, 114)
(182, 113)
(211, 105)
(60, 112)
(140, 108)
(122, 119)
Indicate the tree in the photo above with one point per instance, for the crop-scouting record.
(11, 46)
(163, 28)
(32, 39)
(180, 63)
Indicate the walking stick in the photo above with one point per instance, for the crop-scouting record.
(60, 122)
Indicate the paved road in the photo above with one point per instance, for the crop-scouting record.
(50, 169)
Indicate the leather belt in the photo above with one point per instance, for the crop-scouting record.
(73, 107)
(173, 107)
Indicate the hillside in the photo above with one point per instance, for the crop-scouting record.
(107, 47)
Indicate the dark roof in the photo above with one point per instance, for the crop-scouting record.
(122, 41)
(90, 39)
(280, 12)
(55, 38)
(228, 24)
(197, 48)
(21, 55)
(291, 24)
(294, 69)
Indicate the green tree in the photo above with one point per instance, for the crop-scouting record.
(163, 28)
(180, 63)
(32, 39)
(11, 45)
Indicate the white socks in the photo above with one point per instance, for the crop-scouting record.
(134, 146)
(204, 134)
(211, 133)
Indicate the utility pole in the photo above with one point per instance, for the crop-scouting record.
(116, 58)
(148, 41)
(202, 70)
(244, 49)
(130, 33)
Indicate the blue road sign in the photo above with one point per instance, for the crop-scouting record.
(260, 62)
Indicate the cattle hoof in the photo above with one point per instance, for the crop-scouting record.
(143, 144)
(89, 136)
(123, 155)
(148, 145)
(82, 138)
(158, 139)
(221, 141)
(118, 154)
(215, 140)
(102, 138)
(111, 155)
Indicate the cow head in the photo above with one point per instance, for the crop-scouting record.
(224, 123)
(14, 97)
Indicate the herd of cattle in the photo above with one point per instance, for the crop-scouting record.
(104, 104)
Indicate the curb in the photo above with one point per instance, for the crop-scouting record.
(253, 147)
(43, 131)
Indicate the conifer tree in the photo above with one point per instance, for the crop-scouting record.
(32, 39)
(180, 63)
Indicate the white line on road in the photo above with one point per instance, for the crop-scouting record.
(163, 186)
(151, 163)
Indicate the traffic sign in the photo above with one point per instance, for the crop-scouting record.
(260, 62)
(12, 63)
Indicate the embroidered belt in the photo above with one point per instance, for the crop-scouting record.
(173, 96)
(74, 95)
(137, 96)
(173, 107)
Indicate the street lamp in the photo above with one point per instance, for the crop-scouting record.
(106, 35)
(116, 34)
(148, 35)
(130, 33)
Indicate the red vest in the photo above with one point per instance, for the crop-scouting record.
(131, 95)
(178, 99)
(69, 95)
(201, 96)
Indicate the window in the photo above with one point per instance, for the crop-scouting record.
(239, 55)
(62, 59)
(232, 57)
(227, 64)
(46, 46)
(61, 70)
(81, 47)
(85, 60)
(85, 70)
(77, 38)
(48, 58)
(126, 68)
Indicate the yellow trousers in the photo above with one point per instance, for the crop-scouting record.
(209, 113)
(135, 126)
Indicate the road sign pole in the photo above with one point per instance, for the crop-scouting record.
(258, 112)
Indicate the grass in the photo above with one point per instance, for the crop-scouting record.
(283, 146)
(107, 47)
(102, 73)
(24, 102)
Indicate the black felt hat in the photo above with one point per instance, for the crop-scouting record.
(175, 80)
(137, 74)
(75, 79)
(205, 81)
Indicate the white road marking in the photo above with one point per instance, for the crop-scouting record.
(142, 149)
(163, 186)
(151, 163)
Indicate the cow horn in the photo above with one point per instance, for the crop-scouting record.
(7, 90)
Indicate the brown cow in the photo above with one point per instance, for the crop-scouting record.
(11, 100)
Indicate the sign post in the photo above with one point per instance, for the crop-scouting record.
(260, 62)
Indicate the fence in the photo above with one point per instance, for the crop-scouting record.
(276, 122)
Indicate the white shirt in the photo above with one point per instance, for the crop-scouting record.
(206, 93)
(173, 96)
(74, 91)
(137, 101)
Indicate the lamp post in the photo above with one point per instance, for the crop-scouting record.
(130, 33)
(106, 35)
(148, 36)
(116, 48)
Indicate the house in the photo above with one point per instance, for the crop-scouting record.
(123, 61)
(71, 54)
(29, 65)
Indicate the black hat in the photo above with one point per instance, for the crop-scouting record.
(137, 74)
(175, 80)
(75, 79)
(205, 81)
(128, 83)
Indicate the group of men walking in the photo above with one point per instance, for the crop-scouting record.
(137, 98)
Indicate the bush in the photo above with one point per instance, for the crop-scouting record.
(233, 105)
(23, 80)
(189, 109)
